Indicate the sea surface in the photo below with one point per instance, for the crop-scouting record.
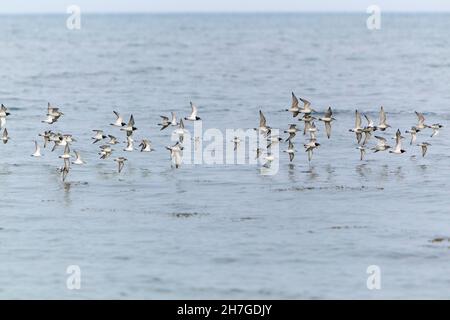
(224, 231)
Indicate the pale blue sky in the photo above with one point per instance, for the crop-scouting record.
(59, 6)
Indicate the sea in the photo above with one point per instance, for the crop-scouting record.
(332, 228)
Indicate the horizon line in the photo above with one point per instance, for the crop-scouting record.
(230, 12)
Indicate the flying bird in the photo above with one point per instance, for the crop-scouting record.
(413, 132)
(180, 131)
(119, 120)
(398, 143)
(78, 160)
(382, 145)
(130, 146)
(424, 146)
(112, 140)
(306, 107)
(362, 151)
(294, 106)
(3, 114)
(5, 137)
(121, 162)
(165, 122)
(193, 116)
(105, 151)
(263, 127)
(436, 127)
(98, 136)
(37, 150)
(291, 151)
(327, 119)
(66, 155)
(146, 146)
(309, 148)
(129, 128)
(383, 121)
(175, 154)
(358, 127)
(292, 130)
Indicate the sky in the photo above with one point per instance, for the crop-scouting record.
(105, 6)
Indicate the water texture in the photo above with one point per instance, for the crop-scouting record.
(224, 231)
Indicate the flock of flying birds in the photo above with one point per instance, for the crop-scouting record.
(359, 130)
(106, 147)
(307, 117)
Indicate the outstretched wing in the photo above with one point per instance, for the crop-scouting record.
(262, 120)
(294, 101)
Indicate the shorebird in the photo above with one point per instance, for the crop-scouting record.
(398, 143)
(56, 138)
(193, 116)
(421, 124)
(37, 150)
(3, 114)
(180, 131)
(424, 146)
(291, 151)
(5, 136)
(98, 136)
(292, 130)
(105, 151)
(312, 130)
(119, 120)
(146, 145)
(121, 162)
(362, 151)
(166, 122)
(270, 157)
(174, 121)
(112, 140)
(272, 140)
(383, 121)
(69, 138)
(358, 128)
(53, 114)
(327, 119)
(370, 123)
(310, 146)
(435, 128)
(368, 130)
(129, 128)
(263, 127)
(64, 170)
(4, 111)
(50, 119)
(46, 137)
(66, 155)
(306, 107)
(413, 132)
(59, 140)
(175, 154)
(130, 146)
(294, 106)
(382, 144)
(307, 119)
(367, 135)
(53, 111)
(78, 159)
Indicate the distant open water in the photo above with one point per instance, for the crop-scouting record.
(310, 231)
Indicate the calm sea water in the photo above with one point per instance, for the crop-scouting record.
(310, 231)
